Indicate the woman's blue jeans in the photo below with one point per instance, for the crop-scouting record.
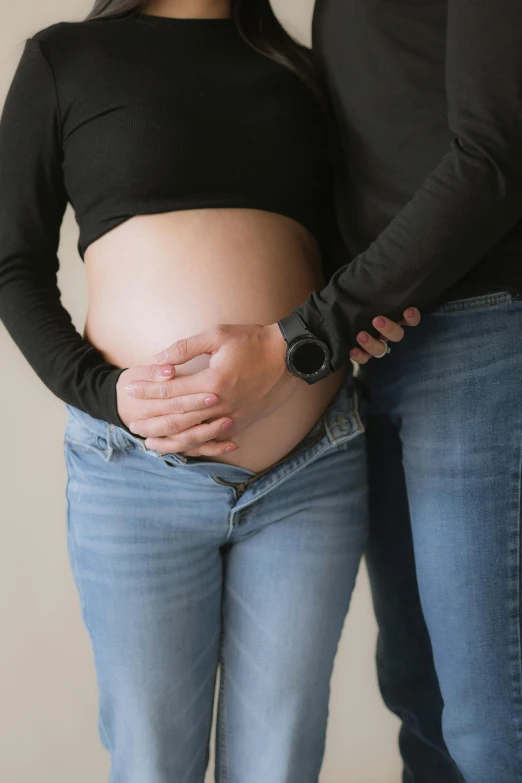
(444, 553)
(182, 565)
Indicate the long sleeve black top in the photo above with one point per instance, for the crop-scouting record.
(139, 115)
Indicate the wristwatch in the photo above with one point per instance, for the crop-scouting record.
(307, 357)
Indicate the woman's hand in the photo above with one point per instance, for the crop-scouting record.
(247, 373)
(172, 410)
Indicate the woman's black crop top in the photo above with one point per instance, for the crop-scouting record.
(139, 115)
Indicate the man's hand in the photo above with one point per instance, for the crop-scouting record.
(371, 348)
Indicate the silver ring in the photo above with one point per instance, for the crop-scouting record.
(387, 350)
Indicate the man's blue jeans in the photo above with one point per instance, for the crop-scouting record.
(182, 564)
(445, 455)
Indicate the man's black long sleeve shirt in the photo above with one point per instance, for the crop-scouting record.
(428, 100)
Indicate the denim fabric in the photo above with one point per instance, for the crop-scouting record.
(182, 564)
(445, 453)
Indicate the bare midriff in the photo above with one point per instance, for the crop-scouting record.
(157, 278)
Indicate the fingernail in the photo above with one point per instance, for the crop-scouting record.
(132, 426)
(354, 352)
(130, 390)
(227, 425)
(211, 400)
(160, 357)
(231, 448)
(410, 313)
(166, 369)
(380, 322)
(364, 338)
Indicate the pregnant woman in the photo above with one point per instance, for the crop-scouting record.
(194, 148)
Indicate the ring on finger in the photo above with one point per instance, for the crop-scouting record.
(387, 350)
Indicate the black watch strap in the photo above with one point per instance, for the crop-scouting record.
(293, 327)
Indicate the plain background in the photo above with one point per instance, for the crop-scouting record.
(48, 698)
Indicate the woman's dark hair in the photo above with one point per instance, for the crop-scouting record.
(256, 23)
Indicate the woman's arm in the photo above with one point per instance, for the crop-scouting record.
(32, 205)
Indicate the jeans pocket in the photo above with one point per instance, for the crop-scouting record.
(476, 302)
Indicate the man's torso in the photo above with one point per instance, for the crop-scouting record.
(384, 64)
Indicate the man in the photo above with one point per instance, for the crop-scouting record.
(428, 98)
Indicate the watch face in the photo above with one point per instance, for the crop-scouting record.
(308, 356)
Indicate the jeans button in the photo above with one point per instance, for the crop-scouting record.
(344, 422)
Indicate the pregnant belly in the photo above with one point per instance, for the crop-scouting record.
(157, 278)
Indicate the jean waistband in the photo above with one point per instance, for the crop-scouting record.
(340, 422)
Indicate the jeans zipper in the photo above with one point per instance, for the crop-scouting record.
(243, 486)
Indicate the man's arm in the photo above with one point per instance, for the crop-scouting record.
(468, 203)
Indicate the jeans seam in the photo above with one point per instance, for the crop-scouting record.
(76, 576)
(70, 546)
(230, 527)
(222, 722)
(103, 732)
(355, 410)
(516, 641)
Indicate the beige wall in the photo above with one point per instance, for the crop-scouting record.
(47, 685)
